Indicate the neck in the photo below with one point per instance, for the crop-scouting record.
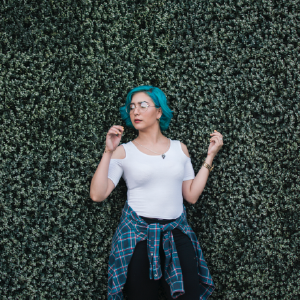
(150, 137)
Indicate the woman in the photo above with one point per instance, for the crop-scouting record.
(153, 241)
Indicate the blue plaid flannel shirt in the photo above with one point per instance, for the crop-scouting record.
(133, 229)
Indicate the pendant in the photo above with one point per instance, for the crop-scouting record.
(163, 156)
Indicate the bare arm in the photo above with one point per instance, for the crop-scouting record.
(101, 186)
(192, 189)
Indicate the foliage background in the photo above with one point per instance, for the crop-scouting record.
(66, 67)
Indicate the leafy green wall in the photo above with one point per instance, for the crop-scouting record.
(66, 67)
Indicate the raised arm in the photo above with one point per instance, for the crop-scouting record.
(101, 186)
(192, 189)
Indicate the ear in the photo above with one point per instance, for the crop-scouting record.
(159, 112)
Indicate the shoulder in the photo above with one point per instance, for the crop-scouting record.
(184, 149)
(119, 153)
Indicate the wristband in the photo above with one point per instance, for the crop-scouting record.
(107, 151)
(206, 165)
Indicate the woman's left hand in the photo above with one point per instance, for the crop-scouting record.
(216, 143)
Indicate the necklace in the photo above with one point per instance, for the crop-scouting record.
(162, 155)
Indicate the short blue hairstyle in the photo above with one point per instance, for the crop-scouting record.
(159, 100)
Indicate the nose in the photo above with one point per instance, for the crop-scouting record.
(136, 111)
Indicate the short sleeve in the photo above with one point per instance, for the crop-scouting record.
(188, 170)
(115, 170)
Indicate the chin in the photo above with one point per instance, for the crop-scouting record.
(138, 127)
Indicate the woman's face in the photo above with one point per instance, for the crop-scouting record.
(140, 117)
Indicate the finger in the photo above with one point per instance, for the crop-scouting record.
(219, 136)
(215, 139)
(119, 128)
(216, 133)
(113, 131)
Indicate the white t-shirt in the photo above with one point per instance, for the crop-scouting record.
(154, 184)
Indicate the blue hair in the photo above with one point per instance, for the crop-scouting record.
(159, 100)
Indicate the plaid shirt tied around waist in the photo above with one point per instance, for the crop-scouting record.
(133, 229)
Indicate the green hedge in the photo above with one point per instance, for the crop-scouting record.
(66, 67)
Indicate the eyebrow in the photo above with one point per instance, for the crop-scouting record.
(138, 102)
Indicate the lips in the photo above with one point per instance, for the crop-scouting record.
(137, 120)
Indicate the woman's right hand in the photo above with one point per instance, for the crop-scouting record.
(113, 137)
